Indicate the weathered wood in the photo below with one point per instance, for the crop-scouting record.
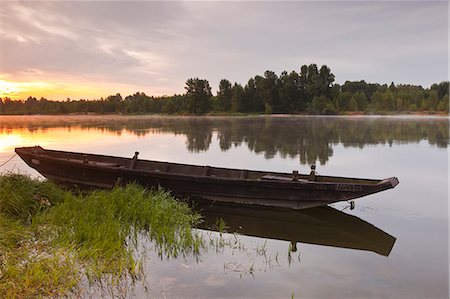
(211, 183)
(295, 175)
(206, 171)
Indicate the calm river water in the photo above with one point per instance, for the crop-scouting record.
(394, 244)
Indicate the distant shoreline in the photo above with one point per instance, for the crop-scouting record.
(347, 114)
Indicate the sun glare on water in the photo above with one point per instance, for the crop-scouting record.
(7, 142)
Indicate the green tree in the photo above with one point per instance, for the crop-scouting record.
(270, 95)
(249, 98)
(399, 104)
(314, 82)
(352, 105)
(112, 103)
(290, 93)
(224, 95)
(258, 104)
(169, 107)
(325, 82)
(443, 104)
(445, 100)
(361, 100)
(31, 105)
(361, 86)
(343, 101)
(383, 101)
(309, 81)
(442, 89)
(237, 98)
(432, 100)
(321, 105)
(139, 102)
(199, 95)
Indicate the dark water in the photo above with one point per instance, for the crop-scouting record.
(392, 245)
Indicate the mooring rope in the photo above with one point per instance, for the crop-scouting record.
(4, 163)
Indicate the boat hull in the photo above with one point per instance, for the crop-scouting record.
(69, 169)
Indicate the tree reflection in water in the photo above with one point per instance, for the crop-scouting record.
(309, 138)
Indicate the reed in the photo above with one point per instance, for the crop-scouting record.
(21, 197)
(105, 227)
(11, 232)
(51, 239)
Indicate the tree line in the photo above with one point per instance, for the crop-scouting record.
(310, 91)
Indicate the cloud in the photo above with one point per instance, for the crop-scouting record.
(158, 45)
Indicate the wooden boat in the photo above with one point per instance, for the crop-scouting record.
(324, 226)
(211, 183)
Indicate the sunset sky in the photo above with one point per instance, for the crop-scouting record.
(95, 49)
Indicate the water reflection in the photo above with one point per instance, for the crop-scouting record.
(310, 139)
(416, 213)
(320, 226)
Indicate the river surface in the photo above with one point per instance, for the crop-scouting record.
(394, 244)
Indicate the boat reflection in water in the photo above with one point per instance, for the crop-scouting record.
(321, 226)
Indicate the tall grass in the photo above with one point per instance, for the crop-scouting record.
(104, 227)
(11, 232)
(50, 238)
(21, 197)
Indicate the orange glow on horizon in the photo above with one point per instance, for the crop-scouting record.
(50, 90)
(63, 88)
(14, 90)
(8, 89)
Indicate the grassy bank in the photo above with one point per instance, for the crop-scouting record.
(51, 239)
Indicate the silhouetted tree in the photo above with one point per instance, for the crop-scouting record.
(238, 98)
(199, 95)
(224, 95)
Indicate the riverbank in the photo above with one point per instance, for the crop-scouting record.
(52, 240)
(239, 114)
